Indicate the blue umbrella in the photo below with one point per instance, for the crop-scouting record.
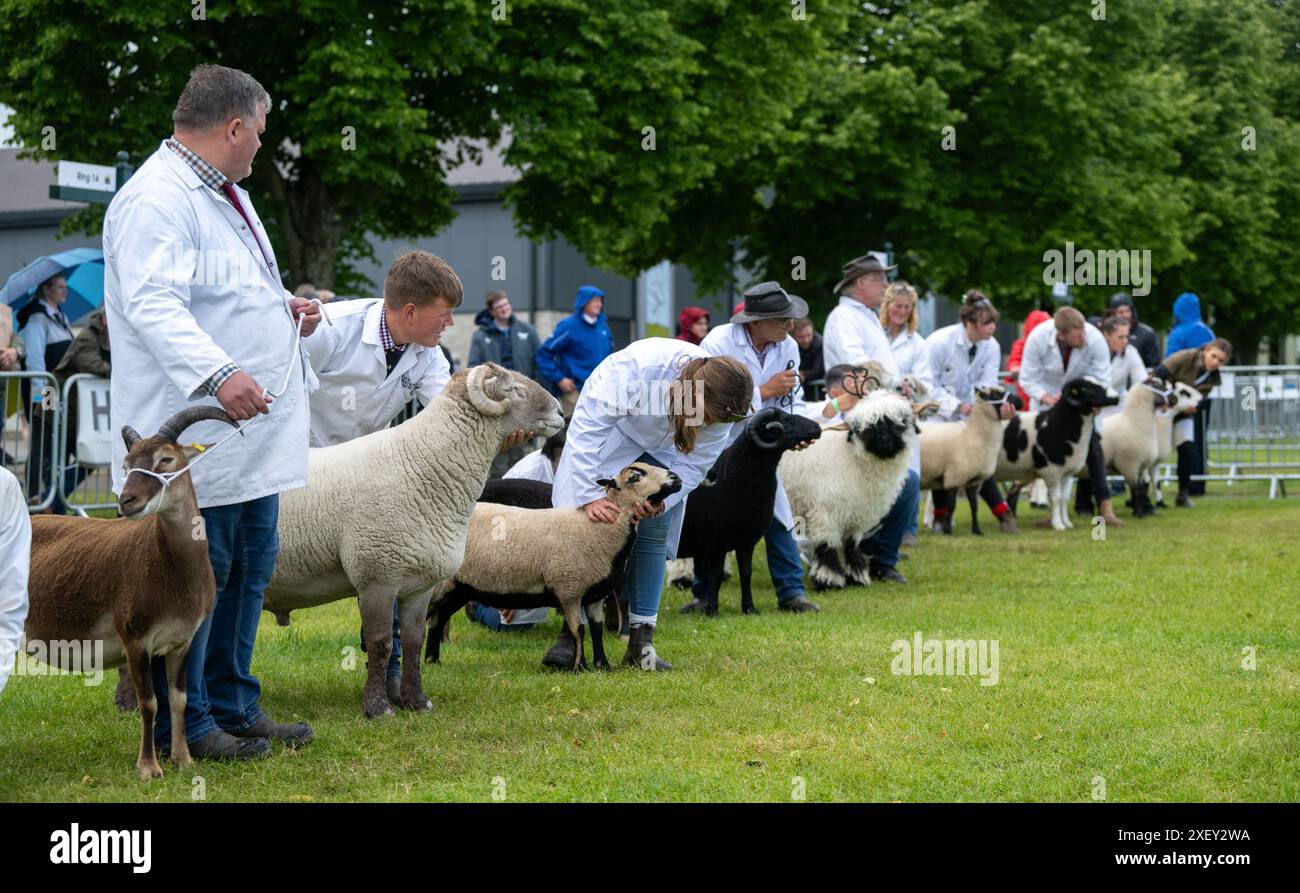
(84, 269)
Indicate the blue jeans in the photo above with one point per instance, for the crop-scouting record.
(783, 563)
(883, 545)
(491, 618)
(645, 566)
(221, 691)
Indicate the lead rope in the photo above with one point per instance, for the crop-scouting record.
(167, 477)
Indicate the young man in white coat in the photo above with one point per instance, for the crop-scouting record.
(759, 336)
(199, 314)
(1055, 354)
(378, 355)
(854, 336)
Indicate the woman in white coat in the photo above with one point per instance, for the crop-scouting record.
(898, 316)
(658, 400)
(963, 357)
(1126, 366)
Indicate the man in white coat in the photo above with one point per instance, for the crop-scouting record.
(1071, 348)
(759, 336)
(15, 561)
(199, 314)
(854, 336)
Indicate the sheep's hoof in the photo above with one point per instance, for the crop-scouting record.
(149, 770)
(375, 708)
(602, 665)
(699, 606)
(749, 609)
(418, 704)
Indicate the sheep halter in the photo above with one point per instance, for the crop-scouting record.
(165, 478)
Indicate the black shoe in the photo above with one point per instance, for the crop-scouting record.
(699, 606)
(221, 745)
(885, 574)
(292, 734)
(564, 652)
(798, 605)
(909, 539)
(1183, 501)
(470, 611)
(641, 649)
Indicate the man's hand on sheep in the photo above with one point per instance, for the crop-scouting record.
(779, 385)
(309, 311)
(241, 397)
(966, 408)
(513, 440)
(802, 446)
(1006, 410)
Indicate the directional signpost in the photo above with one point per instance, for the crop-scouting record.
(93, 183)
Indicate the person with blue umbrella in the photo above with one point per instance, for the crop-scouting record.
(48, 334)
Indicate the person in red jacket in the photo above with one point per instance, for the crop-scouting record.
(1018, 349)
(692, 324)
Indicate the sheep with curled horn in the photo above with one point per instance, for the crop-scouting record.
(137, 587)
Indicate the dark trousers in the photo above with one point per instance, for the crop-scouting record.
(1098, 490)
(221, 690)
(989, 492)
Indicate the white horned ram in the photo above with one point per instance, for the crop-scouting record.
(384, 516)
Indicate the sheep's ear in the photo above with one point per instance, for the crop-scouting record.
(193, 451)
(607, 484)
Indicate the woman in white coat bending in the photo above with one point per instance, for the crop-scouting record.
(658, 400)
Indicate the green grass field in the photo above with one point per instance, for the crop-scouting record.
(1120, 659)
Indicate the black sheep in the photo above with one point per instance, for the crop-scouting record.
(733, 510)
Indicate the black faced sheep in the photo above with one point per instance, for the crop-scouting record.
(736, 510)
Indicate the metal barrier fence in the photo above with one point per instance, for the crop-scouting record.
(84, 485)
(28, 434)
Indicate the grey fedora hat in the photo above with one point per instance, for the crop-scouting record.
(860, 266)
(768, 300)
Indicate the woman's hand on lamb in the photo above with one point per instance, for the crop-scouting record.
(966, 408)
(510, 442)
(1050, 399)
(646, 509)
(604, 510)
(802, 446)
(1006, 410)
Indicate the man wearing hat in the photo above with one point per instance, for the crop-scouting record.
(759, 336)
(853, 335)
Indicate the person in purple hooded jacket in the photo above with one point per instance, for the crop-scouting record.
(577, 346)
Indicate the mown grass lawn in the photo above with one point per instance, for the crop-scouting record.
(1119, 659)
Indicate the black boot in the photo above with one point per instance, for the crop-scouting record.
(641, 649)
(564, 652)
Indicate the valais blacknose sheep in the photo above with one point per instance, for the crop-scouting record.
(843, 485)
(383, 517)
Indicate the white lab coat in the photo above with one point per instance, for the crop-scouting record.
(955, 375)
(188, 290)
(912, 355)
(732, 340)
(1040, 369)
(15, 561)
(1126, 370)
(619, 416)
(536, 466)
(853, 335)
(357, 396)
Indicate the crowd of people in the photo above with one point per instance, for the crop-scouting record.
(228, 344)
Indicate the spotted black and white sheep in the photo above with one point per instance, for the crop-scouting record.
(1053, 444)
(843, 485)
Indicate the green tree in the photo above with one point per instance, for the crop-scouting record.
(573, 84)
